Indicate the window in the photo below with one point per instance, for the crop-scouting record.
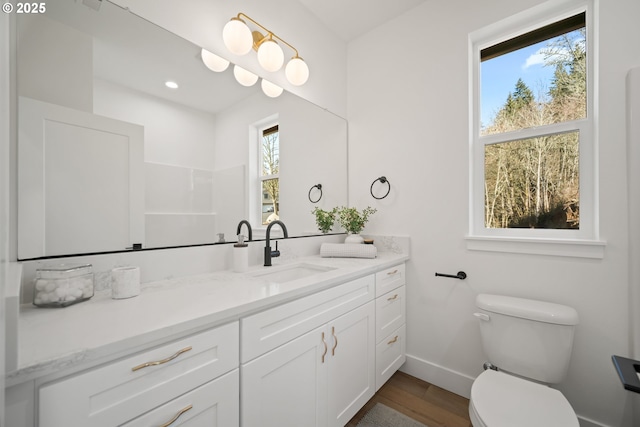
(533, 174)
(270, 174)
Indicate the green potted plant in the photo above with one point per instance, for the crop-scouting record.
(353, 221)
(325, 219)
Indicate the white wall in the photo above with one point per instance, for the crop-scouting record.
(173, 134)
(408, 120)
(67, 57)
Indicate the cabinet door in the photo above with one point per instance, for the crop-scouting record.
(351, 376)
(287, 386)
(264, 331)
(215, 404)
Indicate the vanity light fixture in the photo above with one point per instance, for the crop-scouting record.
(239, 39)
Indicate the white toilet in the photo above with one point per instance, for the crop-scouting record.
(529, 342)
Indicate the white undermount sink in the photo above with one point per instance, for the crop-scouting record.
(287, 273)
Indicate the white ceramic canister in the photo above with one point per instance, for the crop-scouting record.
(125, 282)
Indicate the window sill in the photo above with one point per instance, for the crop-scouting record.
(536, 246)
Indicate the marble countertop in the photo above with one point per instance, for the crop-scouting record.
(101, 328)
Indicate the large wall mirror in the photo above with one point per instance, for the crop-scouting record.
(109, 157)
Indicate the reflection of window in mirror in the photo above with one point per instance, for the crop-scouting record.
(270, 173)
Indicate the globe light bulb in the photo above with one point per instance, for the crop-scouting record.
(237, 37)
(270, 89)
(244, 77)
(213, 61)
(297, 71)
(270, 55)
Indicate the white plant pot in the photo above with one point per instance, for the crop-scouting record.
(354, 238)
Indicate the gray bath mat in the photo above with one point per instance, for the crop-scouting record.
(383, 416)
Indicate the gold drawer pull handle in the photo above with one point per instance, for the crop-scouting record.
(325, 347)
(333, 332)
(393, 340)
(160, 362)
(174, 419)
(391, 273)
(393, 297)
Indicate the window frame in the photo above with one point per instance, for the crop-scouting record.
(583, 242)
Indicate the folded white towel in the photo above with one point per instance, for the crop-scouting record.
(350, 250)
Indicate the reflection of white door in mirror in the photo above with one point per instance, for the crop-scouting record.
(91, 167)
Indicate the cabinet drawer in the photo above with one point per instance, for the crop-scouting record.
(271, 328)
(390, 355)
(389, 279)
(115, 393)
(214, 404)
(390, 312)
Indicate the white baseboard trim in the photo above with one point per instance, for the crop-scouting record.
(445, 378)
(455, 382)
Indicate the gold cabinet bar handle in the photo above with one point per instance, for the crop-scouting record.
(393, 340)
(392, 272)
(335, 338)
(393, 297)
(325, 347)
(160, 362)
(175, 418)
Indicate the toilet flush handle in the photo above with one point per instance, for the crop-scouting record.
(482, 316)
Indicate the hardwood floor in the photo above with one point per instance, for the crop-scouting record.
(424, 402)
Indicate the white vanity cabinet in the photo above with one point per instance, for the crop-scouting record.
(390, 322)
(194, 378)
(310, 362)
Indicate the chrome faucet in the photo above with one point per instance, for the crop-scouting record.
(244, 221)
(268, 253)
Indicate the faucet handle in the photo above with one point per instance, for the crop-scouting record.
(275, 253)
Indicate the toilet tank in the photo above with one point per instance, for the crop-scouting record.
(529, 338)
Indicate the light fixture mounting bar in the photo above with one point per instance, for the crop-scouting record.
(269, 32)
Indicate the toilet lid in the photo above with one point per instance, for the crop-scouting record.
(502, 400)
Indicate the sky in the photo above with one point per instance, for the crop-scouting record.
(498, 77)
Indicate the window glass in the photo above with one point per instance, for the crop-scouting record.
(534, 84)
(270, 181)
(533, 183)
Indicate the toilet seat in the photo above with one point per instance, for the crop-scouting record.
(502, 400)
